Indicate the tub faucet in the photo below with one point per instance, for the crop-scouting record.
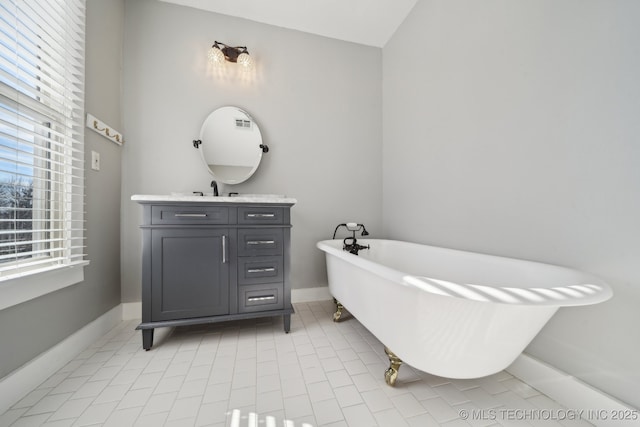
(350, 244)
(214, 185)
(353, 227)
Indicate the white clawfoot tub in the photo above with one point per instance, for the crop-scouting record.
(451, 313)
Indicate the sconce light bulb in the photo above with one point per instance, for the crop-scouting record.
(215, 56)
(245, 61)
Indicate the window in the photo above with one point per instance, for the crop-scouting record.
(41, 135)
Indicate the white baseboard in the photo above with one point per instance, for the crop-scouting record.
(131, 310)
(320, 293)
(23, 380)
(573, 394)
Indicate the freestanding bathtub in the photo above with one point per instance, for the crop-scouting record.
(447, 312)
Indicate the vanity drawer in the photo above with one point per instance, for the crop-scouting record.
(253, 270)
(189, 215)
(260, 297)
(260, 215)
(260, 242)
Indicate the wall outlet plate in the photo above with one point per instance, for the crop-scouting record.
(95, 160)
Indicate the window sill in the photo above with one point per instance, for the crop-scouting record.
(20, 289)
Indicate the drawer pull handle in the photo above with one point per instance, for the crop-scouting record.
(262, 298)
(261, 242)
(261, 215)
(190, 215)
(261, 270)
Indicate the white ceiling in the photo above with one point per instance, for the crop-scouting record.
(368, 22)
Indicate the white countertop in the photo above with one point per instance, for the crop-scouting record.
(252, 198)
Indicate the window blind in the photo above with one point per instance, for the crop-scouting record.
(41, 135)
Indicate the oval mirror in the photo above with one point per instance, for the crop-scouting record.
(231, 145)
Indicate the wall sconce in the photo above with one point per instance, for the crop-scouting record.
(220, 52)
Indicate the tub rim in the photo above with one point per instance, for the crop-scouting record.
(593, 292)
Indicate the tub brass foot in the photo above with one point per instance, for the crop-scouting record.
(338, 313)
(391, 374)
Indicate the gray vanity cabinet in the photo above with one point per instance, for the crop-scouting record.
(206, 261)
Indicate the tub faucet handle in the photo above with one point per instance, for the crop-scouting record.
(351, 245)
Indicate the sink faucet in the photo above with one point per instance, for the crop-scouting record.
(214, 185)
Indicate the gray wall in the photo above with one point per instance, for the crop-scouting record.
(317, 101)
(514, 127)
(30, 328)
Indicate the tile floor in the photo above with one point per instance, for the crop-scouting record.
(250, 373)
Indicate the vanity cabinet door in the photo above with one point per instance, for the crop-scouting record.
(189, 273)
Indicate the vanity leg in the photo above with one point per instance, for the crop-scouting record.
(338, 313)
(147, 339)
(391, 374)
(287, 322)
